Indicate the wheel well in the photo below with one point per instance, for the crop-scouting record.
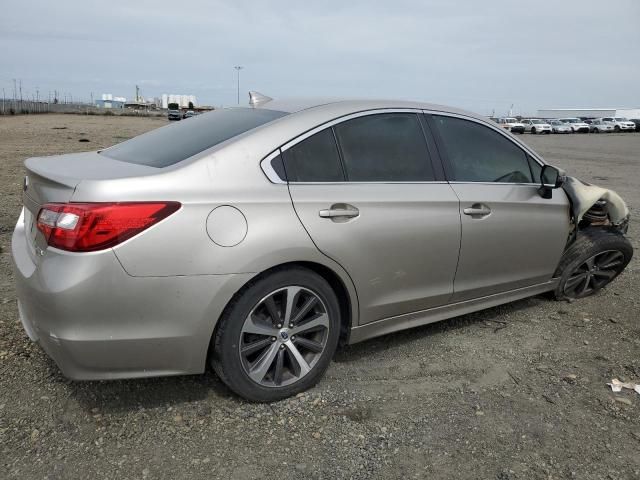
(332, 278)
(344, 300)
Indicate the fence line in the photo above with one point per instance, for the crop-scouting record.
(9, 106)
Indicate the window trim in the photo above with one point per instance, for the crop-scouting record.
(268, 170)
(445, 159)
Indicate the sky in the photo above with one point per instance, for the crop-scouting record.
(483, 56)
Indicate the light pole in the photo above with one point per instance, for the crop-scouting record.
(238, 68)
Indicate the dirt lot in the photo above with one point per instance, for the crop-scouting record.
(514, 392)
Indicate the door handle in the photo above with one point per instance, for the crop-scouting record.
(339, 210)
(477, 210)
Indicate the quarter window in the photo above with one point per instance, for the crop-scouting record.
(314, 159)
(386, 147)
(476, 153)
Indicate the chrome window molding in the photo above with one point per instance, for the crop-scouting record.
(370, 183)
(268, 170)
(460, 182)
(344, 118)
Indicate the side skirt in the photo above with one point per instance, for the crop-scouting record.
(423, 317)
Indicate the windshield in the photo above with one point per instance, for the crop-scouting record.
(510, 120)
(536, 121)
(620, 119)
(571, 120)
(172, 144)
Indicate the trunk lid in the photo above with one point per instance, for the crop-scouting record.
(54, 180)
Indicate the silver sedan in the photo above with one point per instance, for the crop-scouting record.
(257, 240)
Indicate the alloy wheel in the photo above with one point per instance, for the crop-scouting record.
(594, 273)
(284, 336)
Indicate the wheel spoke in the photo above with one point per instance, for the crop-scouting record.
(302, 367)
(277, 374)
(585, 286)
(251, 326)
(261, 366)
(590, 262)
(321, 320)
(611, 265)
(292, 295)
(609, 257)
(306, 308)
(608, 274)
(270, 304)
(255, 346)
(575, 280)
(315, 347)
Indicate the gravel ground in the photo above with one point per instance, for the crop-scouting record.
(514, 392)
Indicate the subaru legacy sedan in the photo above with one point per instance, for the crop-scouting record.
(257, 240)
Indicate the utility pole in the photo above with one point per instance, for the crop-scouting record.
(37, 94)
(238, 68)
(20, 90)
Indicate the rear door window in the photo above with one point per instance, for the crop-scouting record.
(314, 159)
(477, 153)
(386, 147)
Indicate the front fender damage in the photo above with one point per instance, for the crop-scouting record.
(584, 196)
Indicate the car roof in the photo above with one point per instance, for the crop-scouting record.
(341, 106)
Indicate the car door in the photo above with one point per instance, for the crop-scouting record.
(367, 192)
(511, 236)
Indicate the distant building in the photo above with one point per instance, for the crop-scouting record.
(182, 100)
(589, 112)
(109, 101)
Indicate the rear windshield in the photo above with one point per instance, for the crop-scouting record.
(172, 144)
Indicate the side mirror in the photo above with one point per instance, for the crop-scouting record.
(550, 178)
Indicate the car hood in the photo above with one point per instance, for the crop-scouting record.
(584, 195)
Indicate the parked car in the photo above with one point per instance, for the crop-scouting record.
(511, 124)
(620, 124)
(576, 125)
(560, 127)
(256, 240)
(599, 126)
(535, 125)
(189, 114)
(174, 114)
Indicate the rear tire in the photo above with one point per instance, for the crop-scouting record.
(594, 260)
(616, 129)
(533, 131)
(264, 348)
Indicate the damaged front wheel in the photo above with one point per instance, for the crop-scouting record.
(593, 261)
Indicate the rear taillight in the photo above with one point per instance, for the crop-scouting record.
(87, 227)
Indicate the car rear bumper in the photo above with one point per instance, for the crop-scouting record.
(97, 322)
